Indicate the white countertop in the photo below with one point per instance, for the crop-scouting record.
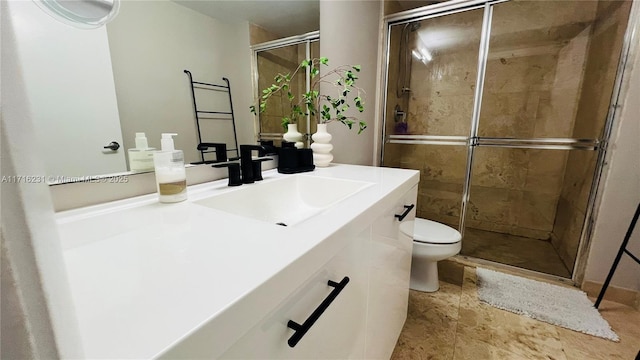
(146, 275)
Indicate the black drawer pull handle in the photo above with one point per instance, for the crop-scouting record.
(406, 212)
(301, 330)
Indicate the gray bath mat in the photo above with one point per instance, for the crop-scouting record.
(557, 305)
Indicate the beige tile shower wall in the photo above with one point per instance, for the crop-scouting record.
(441, 101)
(442, 174)
(601, 65)
(441, 183)
(515, 191)
(565, 91)
(258, 35)
(604, 54)
(572, 205)
(392, 7)
(533, 92)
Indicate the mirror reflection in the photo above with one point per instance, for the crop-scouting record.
(284, 59)
(84, 14)
(92, 88)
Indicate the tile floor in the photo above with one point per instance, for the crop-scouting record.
(453, 324)
(523, 252)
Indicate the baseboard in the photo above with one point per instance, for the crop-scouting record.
(451, 272)
(616, 294)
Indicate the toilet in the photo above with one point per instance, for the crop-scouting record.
(432, 242)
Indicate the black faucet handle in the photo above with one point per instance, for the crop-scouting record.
(234, 173)
(219, 148)
(256, 167)
(248, 148)
(246, 163)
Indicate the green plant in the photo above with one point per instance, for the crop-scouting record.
(322, 107)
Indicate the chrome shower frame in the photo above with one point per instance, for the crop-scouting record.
(630, 50)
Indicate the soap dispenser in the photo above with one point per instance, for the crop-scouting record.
(171, 177)
(141, 157)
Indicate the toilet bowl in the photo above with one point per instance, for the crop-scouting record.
(432, 242)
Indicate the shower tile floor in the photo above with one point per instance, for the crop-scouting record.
(523, 252)
(453, 324)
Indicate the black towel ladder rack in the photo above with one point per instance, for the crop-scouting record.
(623, 250)
(204, 146)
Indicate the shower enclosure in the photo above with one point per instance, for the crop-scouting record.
(504, 107)
(282, 56)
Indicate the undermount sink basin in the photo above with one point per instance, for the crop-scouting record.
(286, 201)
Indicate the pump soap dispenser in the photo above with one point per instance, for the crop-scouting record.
(141, 157)
(171, 177)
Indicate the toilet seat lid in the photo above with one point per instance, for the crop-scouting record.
(432, 232)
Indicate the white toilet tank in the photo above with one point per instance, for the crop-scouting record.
(431, 232)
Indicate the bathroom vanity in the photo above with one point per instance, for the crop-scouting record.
(295, 266)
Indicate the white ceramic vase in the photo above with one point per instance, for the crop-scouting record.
(322, 147)
(293, 135)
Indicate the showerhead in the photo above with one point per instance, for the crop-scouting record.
(404, 59)
(411, 26)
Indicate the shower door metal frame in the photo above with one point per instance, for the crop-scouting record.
(306, 39)
(629, 48)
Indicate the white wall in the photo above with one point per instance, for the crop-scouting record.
(69, 84)
(350, 33)
(151, 43)
(620, 194)
(37, 315)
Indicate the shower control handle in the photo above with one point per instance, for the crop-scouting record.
(407, 210)
(398, 114)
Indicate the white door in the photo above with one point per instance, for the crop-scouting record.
(69, 84)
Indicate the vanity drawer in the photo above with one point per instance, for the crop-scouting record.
(338, 333)
(389, 274)
(388, 224)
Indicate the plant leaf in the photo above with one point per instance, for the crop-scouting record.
(362, 125)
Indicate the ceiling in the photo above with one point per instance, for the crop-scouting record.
(282, 17)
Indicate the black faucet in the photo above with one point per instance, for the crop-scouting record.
(219, 148)
(251, 170)
(234, 172)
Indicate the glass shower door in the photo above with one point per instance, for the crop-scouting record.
(550, 72)
(504, 109)
(431, 87)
